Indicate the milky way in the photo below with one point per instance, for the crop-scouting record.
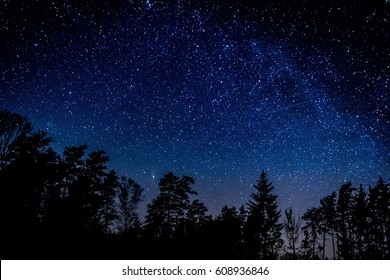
(216, 91)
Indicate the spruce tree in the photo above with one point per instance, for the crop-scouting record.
(263, 230)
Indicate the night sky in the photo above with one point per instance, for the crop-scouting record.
(218, 90)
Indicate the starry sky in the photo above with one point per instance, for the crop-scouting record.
(217, 90)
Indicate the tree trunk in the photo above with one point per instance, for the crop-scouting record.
(323, 245)
(314, 248)
(294, 253)
(334, 251)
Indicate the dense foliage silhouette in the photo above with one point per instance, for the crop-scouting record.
(70, 206)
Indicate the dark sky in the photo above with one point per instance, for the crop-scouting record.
(218, 90)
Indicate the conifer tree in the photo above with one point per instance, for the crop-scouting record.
(305, 250)
(197, 215)
(228, 228)
(360, 223)
(327, 223)
(263, 230)
(292, 226)
(107, 211)
(378, 222)
(311, 228)
(167, 212)
(345, 221)
(129, 197)
(94, 204)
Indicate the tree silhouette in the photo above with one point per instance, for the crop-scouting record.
(51, 203)
(95, 176)
(83, 198)
(228, 233)
(108, 211)
(263, 230)
(306, 250)
(360, 222)
(129, 197)
(378, 222)
(292, 226)
(27, 170)
(195, 232)
(12, 127)
(197, 215)
(327, 223)
(311, 216)
(75, 190)
(345, 220)
(166, 219)
(243, 217)
(168, 209)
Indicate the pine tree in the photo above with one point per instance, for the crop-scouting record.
(360, 223)
(311, 228)
(242, 215)
(378, 222)
(88, 192)
(305, 250)
(327, 223)
(196, 215)
(129, 197)
(93, 207)
(292, 227)
(228, 233)
(107, 211)
(263, 230)
(167, 212)
(345, 220)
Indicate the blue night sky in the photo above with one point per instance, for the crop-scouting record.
(218, 90)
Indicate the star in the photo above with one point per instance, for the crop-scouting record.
(214, 91)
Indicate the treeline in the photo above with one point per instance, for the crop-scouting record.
(71, 206)
(349, 224)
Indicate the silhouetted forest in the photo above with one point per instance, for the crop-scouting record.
(70, 206)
